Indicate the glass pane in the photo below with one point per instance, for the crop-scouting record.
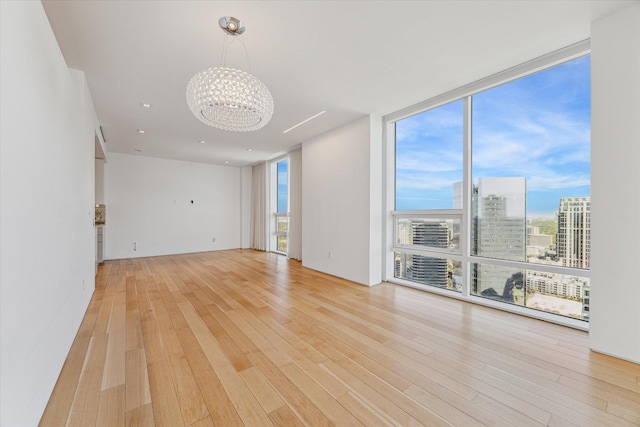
(432, 233)
(438, 272)
(558, 293)
(282, 220)
(282, 243)
(551, 292)
(531, 168)
(499, 283)
(283, 187)
(499, 225)
(429, 158)
(283, 224)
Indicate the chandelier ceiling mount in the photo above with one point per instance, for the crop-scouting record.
(230, 25)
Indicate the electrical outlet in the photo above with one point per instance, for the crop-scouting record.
(134, 246)
(330, 254)
(213, 240)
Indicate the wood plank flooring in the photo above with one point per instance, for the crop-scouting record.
(243, 337)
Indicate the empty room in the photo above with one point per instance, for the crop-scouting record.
(220, 213)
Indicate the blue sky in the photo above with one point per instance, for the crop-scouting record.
(282, 186)
(537, 127)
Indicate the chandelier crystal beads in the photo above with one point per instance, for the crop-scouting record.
(227, 98)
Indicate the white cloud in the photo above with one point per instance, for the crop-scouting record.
(423, 181)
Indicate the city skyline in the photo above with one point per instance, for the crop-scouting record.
(499, 230)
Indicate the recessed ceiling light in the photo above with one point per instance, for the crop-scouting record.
(140, 131)
(304, 121)
(249, 149)
(226, 162)
(203, 141)
(137, 150)
(145, 105)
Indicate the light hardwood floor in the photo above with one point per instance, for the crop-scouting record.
(248, 338)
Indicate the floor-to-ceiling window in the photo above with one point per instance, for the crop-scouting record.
(280, 205)
(492, 190)
(429, 162)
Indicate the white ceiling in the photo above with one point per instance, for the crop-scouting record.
(350, 58)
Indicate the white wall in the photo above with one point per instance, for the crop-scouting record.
(99, 195)
(376, 210)
(47, 248)
(148, 201)
(341, 229)
(615, 189)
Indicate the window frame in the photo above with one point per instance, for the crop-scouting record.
(465, 93)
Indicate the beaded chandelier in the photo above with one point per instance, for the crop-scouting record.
(227, 98)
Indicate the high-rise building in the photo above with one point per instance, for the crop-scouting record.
(429, 270)
(574, 231)
(500, 232)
